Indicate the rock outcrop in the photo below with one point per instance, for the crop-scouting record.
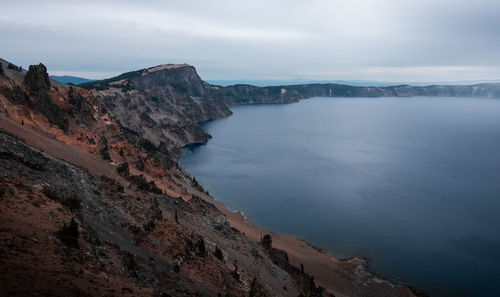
(165, 103)
(162, 104)
(37, 79)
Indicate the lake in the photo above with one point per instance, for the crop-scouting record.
(413, 184)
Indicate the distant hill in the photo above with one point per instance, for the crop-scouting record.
(70, 79)
(357, 83)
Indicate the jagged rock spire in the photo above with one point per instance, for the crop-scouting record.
(37, 78)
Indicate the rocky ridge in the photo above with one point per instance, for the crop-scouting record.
(167, 102)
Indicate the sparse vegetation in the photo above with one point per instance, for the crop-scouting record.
(177, 268)
(123, 169)
(218, 253)
(141, 183)
(195, 247)
(129, 262)
(50, 192)
(148, 145)
(14, 67)
(257, 289)
(69, 234)
(128, 86)
(104, 84)
(150, 225)
(267, 241)
(3, 190)
(73, 201)
(235, 273)
(200, 248)
(197, 185)
(139, 164)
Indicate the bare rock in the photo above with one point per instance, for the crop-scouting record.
(37, 79)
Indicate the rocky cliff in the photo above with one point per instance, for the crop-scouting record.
(165, 103)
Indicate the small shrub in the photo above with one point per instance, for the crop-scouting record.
(218, 253)
(141, 183)
(177, 268)
(129, 262)
(14, 67)
(69, 234)
(148, 145)
(200, 248)
(257, 289)
(4, 190)
(123, 169)
(128, 86)
(267, 241)
(50, 192)
(150, 225)
(73, 201)
(139, 164)
(235, 273)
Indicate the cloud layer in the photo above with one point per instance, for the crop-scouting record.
(385, 40)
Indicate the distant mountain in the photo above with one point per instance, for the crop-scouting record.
(284, 82)
(357, 83)
(70, 79)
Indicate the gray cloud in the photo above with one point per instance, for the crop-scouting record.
(384, 40)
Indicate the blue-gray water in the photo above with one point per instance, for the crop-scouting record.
(411, 183)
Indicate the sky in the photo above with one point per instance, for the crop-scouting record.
(384, 40)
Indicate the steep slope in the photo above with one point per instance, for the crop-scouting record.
(143, 226)
(163, 104)
(126, 241)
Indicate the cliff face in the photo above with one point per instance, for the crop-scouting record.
(163, 104)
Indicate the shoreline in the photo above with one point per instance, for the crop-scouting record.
(332, 273)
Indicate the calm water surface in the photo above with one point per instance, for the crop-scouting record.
(411, 183)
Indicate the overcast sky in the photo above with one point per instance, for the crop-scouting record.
(384, 40)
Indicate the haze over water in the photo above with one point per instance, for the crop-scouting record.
(411, 183)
